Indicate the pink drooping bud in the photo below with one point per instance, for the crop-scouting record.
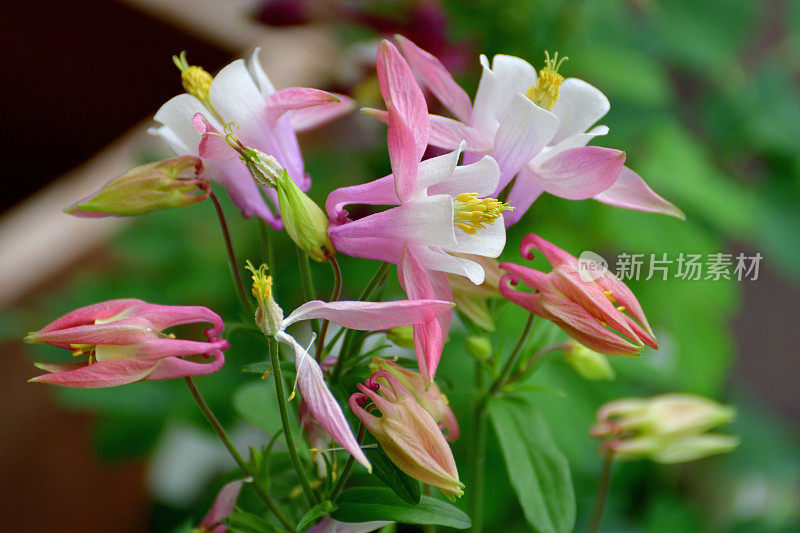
(175, 182)
(222, 507)
(671, 428)
(124, 342)
(429, 397)
(595, 308)
(407, 433)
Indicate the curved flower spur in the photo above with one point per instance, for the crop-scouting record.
(537, 128)
(124, 342)
(601, 313)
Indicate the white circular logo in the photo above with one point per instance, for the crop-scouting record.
(591, 266)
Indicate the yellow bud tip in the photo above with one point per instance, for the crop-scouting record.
(544, 92)
(195, 80)
(470, 213)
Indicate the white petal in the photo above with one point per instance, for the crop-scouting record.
(480, 177)
(257, 73)
(484, 110)
(579, 106)
(488, 242)
(173, 141)
(573, 141)
(438, 259)
(514, 75)
(177, 115)
(437, 169)
(235, 95)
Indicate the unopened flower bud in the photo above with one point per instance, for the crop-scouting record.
(430, 397)
(590, 364)
(165, 184)
(472, 300)
(670, 428)
(269, 314)
(402, 336)
(407, 433)
(478, 347)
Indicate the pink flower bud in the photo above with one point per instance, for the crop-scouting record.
(430, 397)
(670, 428)
(407, 433)
(165, 184)
(599, 312)
(124, 342)
(222, 507)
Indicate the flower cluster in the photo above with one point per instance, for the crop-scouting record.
(440, 220)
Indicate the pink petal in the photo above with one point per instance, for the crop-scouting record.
(400, 139)
(130, 330)
(223, 504)
(448, 134)
(525, 129)
(377, 192)
(87, 315)
(534, 279)
(100, 374)
(631, 192)
(555, 255)
(625, 297)
(320, 401)
(306, 119)
(167, 316)
(522, 195)
(577, 173)
(355, 245)
(370, 316)
(296, 98)
(428, 337)
(175, 367)
(157, 348)
(435, 77)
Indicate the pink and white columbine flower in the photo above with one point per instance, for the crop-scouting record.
(267, 119)
(124, 342)
(366, 316)
(537, 128)
(600, 312)
(442, 209)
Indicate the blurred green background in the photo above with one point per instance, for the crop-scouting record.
(705, 102)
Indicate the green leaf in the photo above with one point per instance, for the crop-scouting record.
(318, 511)
(538, 470)
(406, 487)
(369, 503)
(243, 522)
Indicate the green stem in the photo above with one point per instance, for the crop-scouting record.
(349, 338)
(257, 485)
(340, 483)
(337, 291)
(512, 358)
(287, 428)
(266, 244)
(602, 492)
(237, 276)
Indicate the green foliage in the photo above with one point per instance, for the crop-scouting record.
(405, 487)
(367, 504)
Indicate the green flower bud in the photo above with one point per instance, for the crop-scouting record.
(589, 364)
(478, 347)
(402, 336)
(165, 184)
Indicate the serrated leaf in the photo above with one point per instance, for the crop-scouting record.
(406, 487)
(366, 504)
(538, 471)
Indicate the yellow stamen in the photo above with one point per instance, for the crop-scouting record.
(544, 92)
(196, 81)
(84, 349)
(471, 213)
(262, 282)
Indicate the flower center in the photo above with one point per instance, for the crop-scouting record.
(269, 315)
(544, 92)
(471, 213)
(196, 81)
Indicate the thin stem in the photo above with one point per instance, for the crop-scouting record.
(602, 492)
(223, 436)
(512, 358)
(349, 338)
(428, 528)
(340, 483)
(307, 282)
(481, 423)
(337, 291)
(535, 359)
(266, 244)
(287, 428)
(237, 276)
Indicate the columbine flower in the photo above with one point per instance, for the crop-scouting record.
(442, 209)
(407, 433)
(603, 314)
(267, 120)
(123, 342)
(429, 396)
(671, 428)
(472, 300)
(222, 507)
(175, 182)
(536, 129)
(366, 316)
